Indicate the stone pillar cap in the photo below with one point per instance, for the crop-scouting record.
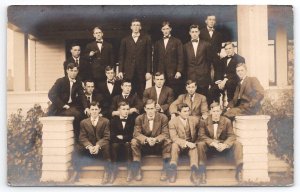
(56, 118)
(254, 117)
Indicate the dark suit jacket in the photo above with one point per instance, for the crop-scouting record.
(225, 132)
(199, 105)
(132, 99)
(84, 68)
(199, 67)
(165, 99)
(97, 97)
(100, 60)
(177, 131)
(90, 135)
(168, 60)
(215, 41)
(135, 56)
(250, 93)
(229, 71)
(59, 95)
(160, 129)
(116, 128)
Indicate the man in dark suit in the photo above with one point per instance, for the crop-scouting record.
(67, 96)
(121, 131)
(136, 58)
(197, 56)
(196, 102)
(184, 134)
(110, 88)
(91, 95)
(128, 96)
(168, 59)
(100, 55)
(163, 95)
(217, 136)
(151, 134)
(94, 138)
(226, 78)
(247, 96)
(81, 62)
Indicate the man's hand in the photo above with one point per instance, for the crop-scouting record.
(190, 145)
(222, 147)
(120, 75)
(132, 110)
(66, 106)
(151, 141)
(120, 137)
(87, 112)
(215, 144)
(91, 149)
(204, 116)
(148, 76)
(177, 75)
(92, 53)
(115, 113)
(158, 107)
(96, 149)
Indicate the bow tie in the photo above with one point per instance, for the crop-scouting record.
(111, 82)
(150, 119)
(135, 36)
(99, 42)
(73, 80)
(215, 122)
(123, 120)
(211, 29)
(195, 40)
(167, 37)
(229, 57)
(125, 96)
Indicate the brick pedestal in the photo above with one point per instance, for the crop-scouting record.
(58, 144)
(252, 132)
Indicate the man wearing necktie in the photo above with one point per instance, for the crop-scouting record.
(81, 62)
(151, 135)
(91, 95)
(121, 131)
(226, 78)
(136, 58)
(94, 140)
(168, 59)
(184, 134)
(100, 54)
(247, 96)
(198, 60)
(128, 96)
(217, 136)
(67, 97)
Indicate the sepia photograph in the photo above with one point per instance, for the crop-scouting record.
(150, 95)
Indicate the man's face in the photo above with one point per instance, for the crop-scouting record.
(229, 50)
(184, 113)
(215, 112)
(126, 88)
(110, 74)
(94, 110)
(135, 27)
(191, 88)
(75, 51)
(72, 73)
(124, 110)
(159, 81)
(98, 34)
(210, 21)
(150, 109)
(194, 33)
(241, 72)
(166, 30)
(89, 87)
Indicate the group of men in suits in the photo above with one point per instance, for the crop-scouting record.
(119, 118)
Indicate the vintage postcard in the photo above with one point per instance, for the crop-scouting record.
(150, 95)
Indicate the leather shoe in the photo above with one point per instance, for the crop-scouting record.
(202, 178)
(163, 175)
(129, 175)
(138, 176)
(239, 176)
(172, 176)
(105, 177)
(113, 176)
(194, 177)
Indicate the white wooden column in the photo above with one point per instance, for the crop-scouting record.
(58, 145)
(281, 55)
(252, 132)
(252, 24)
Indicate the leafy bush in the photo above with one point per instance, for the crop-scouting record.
(24, 147)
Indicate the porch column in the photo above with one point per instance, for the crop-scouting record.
(252, 25)
(281, 55)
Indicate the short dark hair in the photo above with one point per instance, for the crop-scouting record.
(188, 82)
(136, 20)
(95, 103)
(149, 101)
(228, 43)
(241, 65)
(71, 65)
(97, 27)
(195, 26)
(74, 44)
(214, 104)
(164, 23)
(180, 106)
(210, 14)
(109, 68)
(125, 81)
(122, 103)
(159, 74)
(88, 80)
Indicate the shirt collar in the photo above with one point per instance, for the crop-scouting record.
(72, 80)
(96, 119)
(76, 58)
(208, 28)
(135, 35)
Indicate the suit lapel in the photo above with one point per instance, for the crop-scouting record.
(243, 85)
(161, 95)
(220, 127)
(199, 48)
(181, 126)
(191, 49)
(154, 94)
(169, 44)
(187, 100)
(191, 126)
(156, 125)
(196, 101)
(210, 127)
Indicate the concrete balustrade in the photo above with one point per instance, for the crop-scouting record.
(252, 132)
(58, 145)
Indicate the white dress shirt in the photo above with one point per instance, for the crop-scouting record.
(195, 46)
(72, 81)
(211, 32)
(135, 37)
(215, 130)
(183, 121)
(94, 121)
(110, 87)
(99, 45)
(166, 40)
(151, 123)
(76, 60)
(158, 91)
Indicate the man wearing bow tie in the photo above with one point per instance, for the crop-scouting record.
(217, 136)
(151, 135)
(100, 54)
(247, 96)
(136, 58)
(168, 59)
(91, 95)
(81, 62)
(67, 96)
(226, 78)
(94, 139)
(121, 130)
(198, 60)
(128, 96)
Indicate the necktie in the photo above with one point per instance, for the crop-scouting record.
(125, 96)
(94, 122)
(123, 120)
(111, 82)
(191, 99)
(215, 122)
(211, 29)
(167, 37)
(76, 62)
(89, 99)
(99, 42)
(194, 40)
